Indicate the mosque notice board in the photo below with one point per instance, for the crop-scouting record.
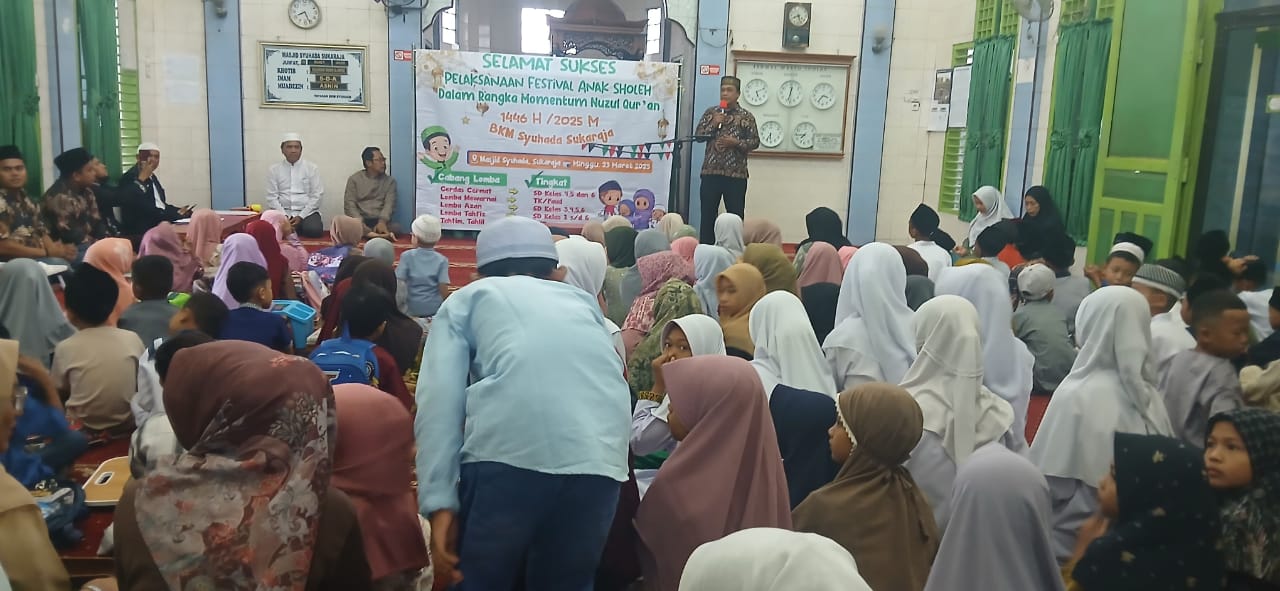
(558, 139)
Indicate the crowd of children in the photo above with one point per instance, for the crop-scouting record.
(623, 410)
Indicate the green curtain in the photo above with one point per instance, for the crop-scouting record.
(19, 99)
(99, 71)
(1079, 89)
(988, 114)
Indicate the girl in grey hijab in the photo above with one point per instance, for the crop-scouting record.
(381, 249)
(30, 311)
(647, 242)
(919, 291)
(998, 535)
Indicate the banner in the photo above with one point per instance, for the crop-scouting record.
(561, 140)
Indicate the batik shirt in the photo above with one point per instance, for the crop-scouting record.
(20, 220)
(730, 162)
(72, 216)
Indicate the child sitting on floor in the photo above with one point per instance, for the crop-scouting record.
(149, 316)
(365, 312)
(1127, 253)
(96, 369)
(154, 437)
(1041, 325)
(203, 312)
(1202, 382)
(424, 271)
(250, 285)
(1243, 464)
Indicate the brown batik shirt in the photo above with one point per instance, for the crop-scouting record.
(20, 219)
(71, 215)
(730, 162)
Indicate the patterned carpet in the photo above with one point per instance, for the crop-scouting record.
(461, 253)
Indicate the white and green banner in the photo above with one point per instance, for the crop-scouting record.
(561, 140)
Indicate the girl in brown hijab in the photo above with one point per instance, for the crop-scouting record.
(779, 273)
(738, 289)
(403, 336)
(873, 508)
(761, 231)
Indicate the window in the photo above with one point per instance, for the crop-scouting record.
(449, 28)
(953, 146)
(535, 35)
(654, 45)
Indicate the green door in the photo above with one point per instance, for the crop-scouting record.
(1142, 161)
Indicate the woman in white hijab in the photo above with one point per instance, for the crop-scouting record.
(769, 559)
(999, 532)
(991, 209)
(708, 263)
(585, 264)
(801, 393)
(872, 339)
(1007, 363)
(670, 224)
(960, 415)
(787, 351)
(728, 230)
(1110, 390)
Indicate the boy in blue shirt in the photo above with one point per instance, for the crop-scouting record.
(424, 272)
(253, 321)
(526, 489)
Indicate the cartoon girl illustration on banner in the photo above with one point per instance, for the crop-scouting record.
(643, 200)
(627, 209)
(440, 153)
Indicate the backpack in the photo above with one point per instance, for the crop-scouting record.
(62, 504)
(347, 361)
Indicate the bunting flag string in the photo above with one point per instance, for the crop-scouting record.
(661, 150)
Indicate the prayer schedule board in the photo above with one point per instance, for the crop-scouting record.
(298, 76)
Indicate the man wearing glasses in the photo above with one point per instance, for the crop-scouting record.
(371, 196)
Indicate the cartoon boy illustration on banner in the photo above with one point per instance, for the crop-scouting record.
(610, 193)
(440, 153)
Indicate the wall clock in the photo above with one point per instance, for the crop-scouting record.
(771, 134)
(824, 96)
(756, 92)
(790, 93)
(803, 135)
(304, 14)
(797, 18)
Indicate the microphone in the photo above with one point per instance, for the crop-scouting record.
(723, 106)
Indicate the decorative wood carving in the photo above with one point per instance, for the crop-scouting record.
(598, 27)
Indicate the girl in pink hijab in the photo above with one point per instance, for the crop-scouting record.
(162, 240)
(846, 255)
(373, 464)
(114, 256)
(726, 475)
(821, 265)
(204, 237)
(685, 247)
(290, 246)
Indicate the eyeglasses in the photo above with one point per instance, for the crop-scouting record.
(19, 397)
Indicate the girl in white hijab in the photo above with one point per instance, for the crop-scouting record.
(787, 351)
(728, 230)
(1007, 363)
(671, 224)
(872, 339)
(708, 263)
(770, 559)
(999, 532)
(960, 415)
(585, 264)
(1110, 390)
(698, 334)
(991, 209)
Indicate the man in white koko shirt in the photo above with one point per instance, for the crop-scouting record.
(294, 187)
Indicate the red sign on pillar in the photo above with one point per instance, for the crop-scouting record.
(402, 55)
(709, 69)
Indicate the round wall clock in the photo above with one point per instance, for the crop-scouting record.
(756, 92)
(802, 135)
(824, 96)
(798, 16)
(304, 14)
(771, 134)
(790, 93)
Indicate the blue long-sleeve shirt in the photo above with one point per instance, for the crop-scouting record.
(520, 371)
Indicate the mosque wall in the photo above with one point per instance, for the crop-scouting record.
(785, 189)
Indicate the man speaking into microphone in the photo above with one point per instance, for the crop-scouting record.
(733, 134)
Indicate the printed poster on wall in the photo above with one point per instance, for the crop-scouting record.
(561, 140)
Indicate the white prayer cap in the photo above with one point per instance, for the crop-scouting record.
(1130, 248)
(148, 147)
(426, 229)
(1035, 282)
(514, 238)
(291, 137)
